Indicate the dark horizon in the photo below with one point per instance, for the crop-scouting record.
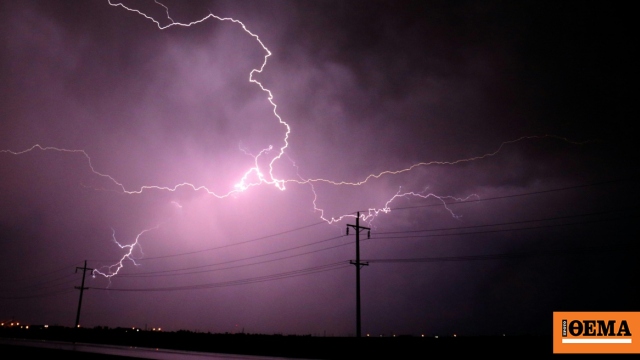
(488, 146)
(133, 343)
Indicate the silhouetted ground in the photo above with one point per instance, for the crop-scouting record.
(282, 346)
(24, 352)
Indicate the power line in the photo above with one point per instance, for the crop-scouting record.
(67, 268)
(230, 245)
(500, 230)
(45, 283)
(278, 276)
(242, 259)
(345, 264)
(164, 273)
(236, 244)
(514, 255)
(168, 272)
(61, 292)
(505, 223)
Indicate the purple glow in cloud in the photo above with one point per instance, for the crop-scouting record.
(459, 131)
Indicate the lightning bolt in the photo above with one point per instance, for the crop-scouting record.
(266, 176)
(113, 270)
(243, 184)
(454, 162)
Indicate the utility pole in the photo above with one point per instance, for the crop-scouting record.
(81, 288)
(358, 265)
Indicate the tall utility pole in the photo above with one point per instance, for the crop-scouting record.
(358, 265)
(81, 288)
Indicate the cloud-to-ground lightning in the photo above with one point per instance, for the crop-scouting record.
(113, 270)
(256, 175)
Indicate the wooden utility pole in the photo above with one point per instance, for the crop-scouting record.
(81, 288)
(358, 265)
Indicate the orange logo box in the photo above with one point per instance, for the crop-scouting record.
(596, 332)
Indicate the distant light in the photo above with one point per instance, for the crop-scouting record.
(26, 327)
(436, 336)
(78, 325)
(422, 335)
(137, 329)
(454, 335)
(46, 326)
(504, 334)
(367, 335)
(17, 323)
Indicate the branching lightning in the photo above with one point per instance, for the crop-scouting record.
(243, 184)
(256, 175)
(422, 164)
(112, 270)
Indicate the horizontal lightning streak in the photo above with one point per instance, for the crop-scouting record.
(421, 164)
(242, 185)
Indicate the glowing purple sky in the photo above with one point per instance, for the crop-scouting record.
(533, 94)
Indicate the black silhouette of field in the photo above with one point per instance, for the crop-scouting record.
(307, 347)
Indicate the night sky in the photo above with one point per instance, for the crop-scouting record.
(490, 147)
